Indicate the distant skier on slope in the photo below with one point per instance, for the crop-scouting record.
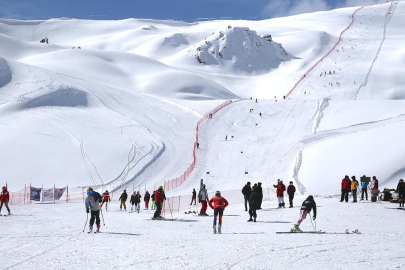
(401, 192)
(220, 203)
(203, 199)
(123, 198)
(345, 189)
(106, 199)
(92, 203)
(280, 193)
(4, 199)
(306, 208)
(146, 199)
(290, 192)
(253, 201)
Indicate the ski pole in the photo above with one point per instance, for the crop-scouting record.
(86, 222)
(310, 216)
(101, 209)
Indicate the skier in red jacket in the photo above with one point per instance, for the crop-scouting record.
(220, 203)
(280, 193)
(106, 199)
(4, 199)
(159, 197)
(346, 186)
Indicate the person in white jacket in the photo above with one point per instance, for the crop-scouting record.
(203, 199)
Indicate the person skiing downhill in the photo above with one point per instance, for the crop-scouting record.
(345, 189)
(123, 198)
(280, 193)
(308, 205)
(203, 199)
(253, 203)
(194, 197)
(146, 199)
(106, 199)
(290, 192)
(159, 197)
(4, 199)
(92, 203)
(246, 191)
(354, 186)
(401, 192)
(220, 203)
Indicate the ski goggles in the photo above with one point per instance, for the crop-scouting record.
(90, 193)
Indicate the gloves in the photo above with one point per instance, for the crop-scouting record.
(87, 211)
(314, 217)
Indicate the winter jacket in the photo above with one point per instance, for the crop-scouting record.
(106, 197)
(124, 196)
(291, 190)
(280, 189)
(93, 201)
(146, 198)
(346, 184)
(355, 184)
(309, 204)
(159, 196)
(4, 196)
(364, 184)
(374, 184)
(134, 198)
(254, 199)
(203, 195)
(219, 202)
(259, 191)
(246, 190)
(401, 187)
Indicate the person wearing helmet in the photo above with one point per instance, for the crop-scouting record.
(106, 199)
(146, 199)
(159, 197)
(203, 199)
(123, 198)
(92, 204)
(4, 199)
(220, 203)
(308, 205)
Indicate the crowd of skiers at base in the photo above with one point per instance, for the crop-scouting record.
(4, 199)
(254, 197)
(353, 185)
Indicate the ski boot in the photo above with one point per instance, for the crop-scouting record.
(283, 205)
(254, 220)
(98, 229)
(279, 205)
(90, 229)
(250, 219)
(215, 229)
(296, 229)
(219, 229)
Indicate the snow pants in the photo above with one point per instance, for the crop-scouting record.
(193, 200)
(6, 204)
(401, 197)
(280, 200)
(247, 201)
(345, 195)
(153, 204)
(105, 202)
(364, 191)
(146, 204)
(158, 210)
(303, 215)
(291, 198)
(95, 215)
(220, 212)
(203, 207)
(354, 192)
(123, 204)
(252, 210)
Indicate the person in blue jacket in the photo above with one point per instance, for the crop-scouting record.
(364, 186)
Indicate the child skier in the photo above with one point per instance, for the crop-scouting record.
(220, 203)
(306, 208)
(4, 199)
(92, 204)
(146, 198)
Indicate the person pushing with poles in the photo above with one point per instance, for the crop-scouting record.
(220, 203)
(308, 205)
(92, 204)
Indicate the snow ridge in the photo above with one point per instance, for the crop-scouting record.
(321, 106)
(297, 166)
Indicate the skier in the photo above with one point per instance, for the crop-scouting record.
(345, 189)
(306, 208)
(4, 199)
(123, 198)
(92, 204)
(138, 201)
(203, 199)
(260, 114)
(159, 197)
(146, 199)
(220, 203)
(194, 197)
(153, 200)
(226, 137)
(259, 191)
(354, 186)
(290, 192)
(246, 191)
(198, 145)
(280, 193)
(364, 186)
(133, 200)
(253, 200)
(401, 192)
(106, 199)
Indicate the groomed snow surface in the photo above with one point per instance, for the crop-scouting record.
(114, 105)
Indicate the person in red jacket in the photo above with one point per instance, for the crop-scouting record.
(290, 192)
(220, 203)
(280, 193)
(346, 186)
(4, 199)
(106, 199)
(159, 196)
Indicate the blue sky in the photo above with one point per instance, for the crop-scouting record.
(166, 9)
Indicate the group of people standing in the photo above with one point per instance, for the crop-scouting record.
(352, 186)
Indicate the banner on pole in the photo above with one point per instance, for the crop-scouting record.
(35, 194)
(48, 195)
(59, 192)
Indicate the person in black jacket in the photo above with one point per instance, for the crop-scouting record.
(260, 195)
(290, 192)
(246, 191)
(308, 205)
(253, 201)
(133, 201)
(194, 197)
(401, 192)
(123, 198)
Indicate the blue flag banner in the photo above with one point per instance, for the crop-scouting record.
(35, 194)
